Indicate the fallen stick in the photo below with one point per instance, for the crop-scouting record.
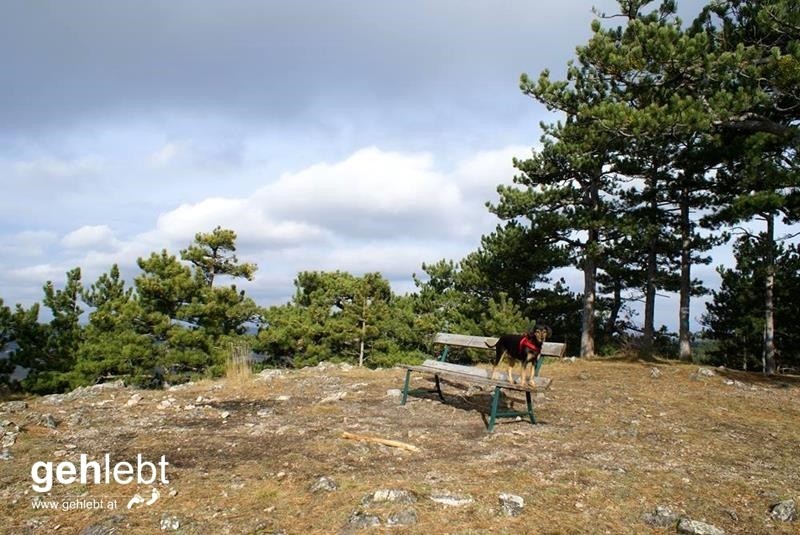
(385, 442)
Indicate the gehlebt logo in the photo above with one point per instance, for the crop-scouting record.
(45, 475)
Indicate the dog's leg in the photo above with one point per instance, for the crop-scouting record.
(495, 362)
(498, 356)
(531, 380)
(523, 372)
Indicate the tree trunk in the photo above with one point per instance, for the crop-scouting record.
(686, 279)
(648, 331)
(592, 200)
(769, 305)
(589, 291)
(650, 302)
(616, 306)
(363, 333)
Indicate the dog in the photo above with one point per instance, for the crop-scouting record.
(525, 349)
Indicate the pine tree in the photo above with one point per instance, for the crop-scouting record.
(115, 342)
(212, 254)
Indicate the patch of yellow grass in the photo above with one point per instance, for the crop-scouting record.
(238, 368)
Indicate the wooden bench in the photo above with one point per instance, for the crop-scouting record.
(549, 349)
(472, 374)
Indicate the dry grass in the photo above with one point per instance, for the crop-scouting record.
(613, 443)
(238, 366)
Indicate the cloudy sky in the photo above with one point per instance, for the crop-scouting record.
(358, 135)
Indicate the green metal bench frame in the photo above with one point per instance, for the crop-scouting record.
(472, 374)
(440, 366)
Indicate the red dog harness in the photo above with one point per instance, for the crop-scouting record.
(527, 343)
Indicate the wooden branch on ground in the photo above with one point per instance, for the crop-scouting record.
(385, 442)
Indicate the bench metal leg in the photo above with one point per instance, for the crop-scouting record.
(495, 403)
(439, 388)
(405, 387)
(530, 407)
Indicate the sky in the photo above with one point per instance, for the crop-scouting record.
(357, 135)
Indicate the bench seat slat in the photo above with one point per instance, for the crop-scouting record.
(477, 375)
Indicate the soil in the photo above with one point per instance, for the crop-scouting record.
(614, 440)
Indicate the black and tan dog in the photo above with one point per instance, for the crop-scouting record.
(524, 348)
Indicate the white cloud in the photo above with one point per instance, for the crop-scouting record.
(372, 192)
(57, 168)
(37, 274)
(246, 216)
(166, 154)
(369, 195)
(91, 237)
(486, 169)
(28, 243)
(373, 210)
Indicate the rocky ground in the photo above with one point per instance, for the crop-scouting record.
(621, 447)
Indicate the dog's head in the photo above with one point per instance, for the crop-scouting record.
(540, 332)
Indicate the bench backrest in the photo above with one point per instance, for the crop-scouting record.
(549, 349)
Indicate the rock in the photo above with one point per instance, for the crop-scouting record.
(164, 404)
(473, 390)
(9, 437)
(584, 376)
(109, 526)
(361, 520)
(406, 517)
(170, 522)
(451, 500)
(394, 393)
(323, 484)
(99, 529)
(388, 496)
(511, 504)
(662, 517)
(338, 396)
(108, 386)
(47, 420)
(182, 386)
(269, 374)
(735, 383)
(283, 398)
(224, 414)
(263, 413)
(695, 527)
(5, 455)
(13, 406)
(785, 511)
(134, 400)
(706, 372)
(655, 373)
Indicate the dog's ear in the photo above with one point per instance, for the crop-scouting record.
(530, 332)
